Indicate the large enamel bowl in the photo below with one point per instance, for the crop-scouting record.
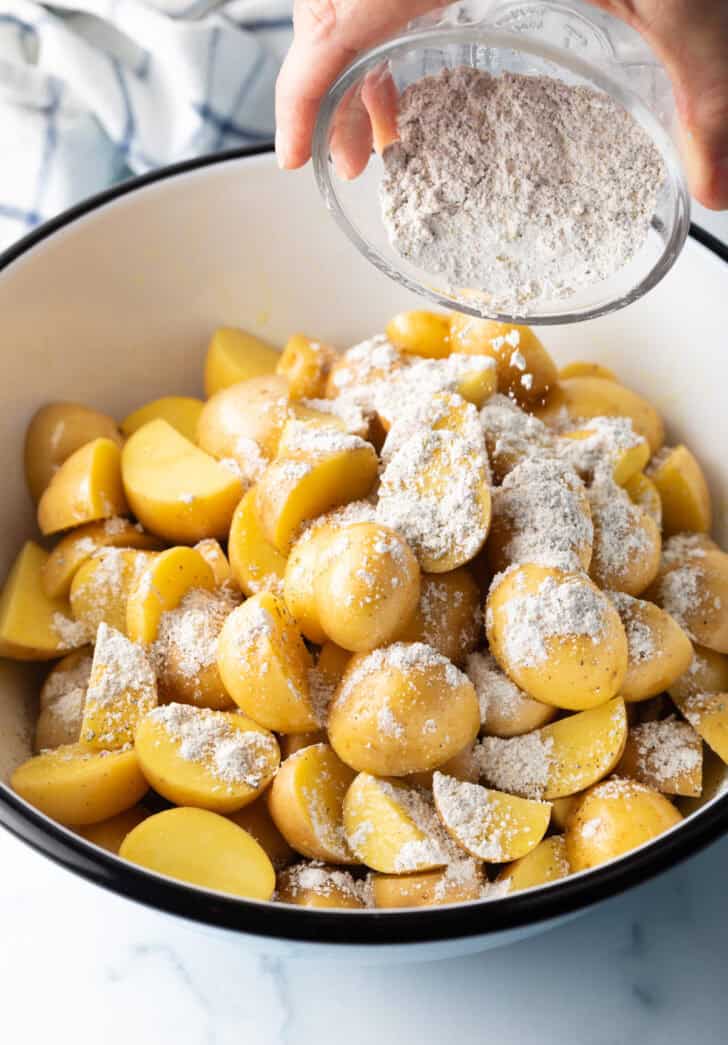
(112, 304)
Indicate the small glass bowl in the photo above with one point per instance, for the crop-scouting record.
(425, 50)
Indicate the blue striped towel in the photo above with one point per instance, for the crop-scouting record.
(94, 90)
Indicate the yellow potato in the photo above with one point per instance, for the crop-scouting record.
(463, 766)
(315, 885)
(217, 760)
(264, 665)
(109, 834)
(367, 587)
(489, 825)
(257, 821)
(561, 810)
(77, 547)
(306, 365)
(575, 658)
(606, 447)
(393, 828)
(505, 710)
(122, 689)
(707, 713)
(402, 709)
(62, 698)
(204, 849)
(582, 398)
(161, 587)
(512, 436)
(101, 586)
(613, 818)
(364, 365)
(445, 522)
(447, 616)
(76, 785)
(311, 433)
(255, 564)
(181, 412)
(176, 490)
(291, 490)
(546, 863)
(86, 487)
(581, 368)
(457, 883)
(626, 548)
(526, 371)
(233, 355)
(33, 626)
(707, 673)
(421, 333)
(666, 755)
(217, 560)
(55, 432)
(659, 651)
(290, 743)
(559, 759)
(643, 492)
(185, 651)
(305, 802)
(693, 588)
(713, 783)
(683, 491)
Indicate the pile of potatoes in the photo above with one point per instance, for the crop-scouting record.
(415, 742)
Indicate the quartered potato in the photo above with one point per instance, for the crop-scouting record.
(217, 760)
(316, 885)
(121, 690)
(77, 547)
(643, 492)
(202, 848)
(234, 355)
(211, 551)
(181, 412)
(55, 432)
(693, 588)
(109, 834)
(161, 587)
(447, 614)
(667, 755)
(707, 713)
(290, 743)
(244, 422)
(421, 333)
(76, 785)
(546, 863)
(62, 699)
(659, 651)
(306, 803)
(582, 398)
(264, 665)
(627, 544)
(459, 882)
(101, 587)
(176, 490)
(255, 563)
(607, 447)
(490, 825)
(505, 710)
(683, 491)
(86, 487)
(306, 365)
(707, 673)
(526, 371)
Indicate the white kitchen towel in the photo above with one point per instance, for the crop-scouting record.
(93, 90)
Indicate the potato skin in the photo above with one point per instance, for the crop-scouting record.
(56, 431)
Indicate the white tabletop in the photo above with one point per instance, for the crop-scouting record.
(78, 965)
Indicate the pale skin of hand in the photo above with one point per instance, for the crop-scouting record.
(689, 36)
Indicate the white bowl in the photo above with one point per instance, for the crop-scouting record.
(113, 303)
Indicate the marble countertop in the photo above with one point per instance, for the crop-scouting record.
(78, 964)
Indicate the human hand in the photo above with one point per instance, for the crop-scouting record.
(689, 36)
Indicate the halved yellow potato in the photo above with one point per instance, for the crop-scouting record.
(505, 710)
(55, 432)
(548, 862)
(211, 551)
(560, 759)
(512, 435)
(181, 412)
(659, 651)
(109, 834)
(86, 487)
(463, 766)
(447, 616)
(526, 371)
(316, 885)
(217, 760)
(202, 848)
(667, 755)
(683, 491)
(264, 665)
(445, 522)
(582, 398)
(365, 366)
(243, 423)
(643, 492)
(234, 355)
(707, 673)
(614, 817)
(293, 490)
(582, 368)
(101, 586)
(402, 709)
(421, 333)
(306, 803)
(490, 825)
(73, 550)
(62, 699)
(606, 447)
(693, 588)
(255, 563)
(255, 818)
(161, 587)
(122, 689)
(392, 828)
(627, 543)
(32, 625)
(561, 810)
(75, 784)
(459, 882)
(176, 490)
(306, 365)
(290, 743)
(557, 636)
(707, 713)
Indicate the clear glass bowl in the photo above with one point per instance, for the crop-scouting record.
(557, 40)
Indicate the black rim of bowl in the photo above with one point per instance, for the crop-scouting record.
(283, 922)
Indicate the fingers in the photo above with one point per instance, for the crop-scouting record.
(379, 95)
(704, 116)
(351, 136)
